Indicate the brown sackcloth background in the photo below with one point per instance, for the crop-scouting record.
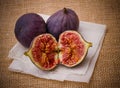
(107, 69)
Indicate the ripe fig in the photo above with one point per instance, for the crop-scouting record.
(73, 48)
(62, 20)
(27, 27)
(45, 52)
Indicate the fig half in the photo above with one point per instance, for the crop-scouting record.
(44, 52)
(73, 48)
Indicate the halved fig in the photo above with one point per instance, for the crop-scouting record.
(44, 52)
(73, 48)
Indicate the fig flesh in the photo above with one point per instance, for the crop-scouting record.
(27, 27)
(43, 52)
(73, 48)
(62, 20)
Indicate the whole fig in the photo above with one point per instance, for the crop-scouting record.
(27, 27)
(62, 20)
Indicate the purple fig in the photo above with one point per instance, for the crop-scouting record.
(62, 20)
(27, 27)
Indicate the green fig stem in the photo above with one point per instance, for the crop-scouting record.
(90, 44)
(65, 10)
(26, 53)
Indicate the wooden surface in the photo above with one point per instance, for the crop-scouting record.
(107, 69)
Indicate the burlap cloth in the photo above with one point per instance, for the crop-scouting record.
(107, 69)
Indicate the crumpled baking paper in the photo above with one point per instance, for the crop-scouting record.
(91, 32)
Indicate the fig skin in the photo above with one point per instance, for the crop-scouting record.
(27, 27)
(62, 20)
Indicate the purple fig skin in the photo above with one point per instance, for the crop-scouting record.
(62, 20)
(27, 27)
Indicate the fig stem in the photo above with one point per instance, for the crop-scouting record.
(26, 53)
(65, 11)
(90, 44)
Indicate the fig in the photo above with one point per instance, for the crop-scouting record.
(70, 50)
(62, 20)
(73, 48)
(44, 52)
(27, 27)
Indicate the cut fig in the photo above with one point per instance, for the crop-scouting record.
(44, 52)
(70, 50)
(73, 48)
